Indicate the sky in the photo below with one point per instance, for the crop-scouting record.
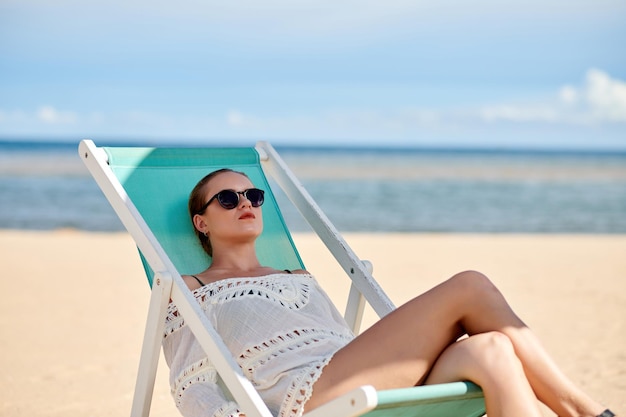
(446, 73)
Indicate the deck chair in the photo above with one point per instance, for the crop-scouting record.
(148, 188)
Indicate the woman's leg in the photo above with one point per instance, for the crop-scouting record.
(402, 348)
(489, 360)
(551, 386)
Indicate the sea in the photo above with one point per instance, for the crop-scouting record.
(45, 186)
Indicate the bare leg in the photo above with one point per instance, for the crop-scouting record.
(551, 386)
(403, 347)
(489, 360)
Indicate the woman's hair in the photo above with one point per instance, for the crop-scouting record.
(197, 201)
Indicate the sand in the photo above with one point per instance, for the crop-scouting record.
(75, 303)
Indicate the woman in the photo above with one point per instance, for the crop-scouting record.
(298, 352)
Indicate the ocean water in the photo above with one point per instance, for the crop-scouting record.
(45, 186)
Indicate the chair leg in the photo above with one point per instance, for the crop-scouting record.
(148, 363)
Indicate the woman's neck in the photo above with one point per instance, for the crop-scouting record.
(236, 259)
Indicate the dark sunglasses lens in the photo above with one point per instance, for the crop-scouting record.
(255, 196)
(228, 199)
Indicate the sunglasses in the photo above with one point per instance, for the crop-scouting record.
(229, 199)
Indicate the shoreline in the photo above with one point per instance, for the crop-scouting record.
(73, 319)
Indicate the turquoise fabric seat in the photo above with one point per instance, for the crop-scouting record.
(159, 180)
(442, 400)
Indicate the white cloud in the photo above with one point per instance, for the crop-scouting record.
(235, 118)
(601, 99)
(598, 100)
(534, 113)
(605, 97)
(568, 95)
(50, 115)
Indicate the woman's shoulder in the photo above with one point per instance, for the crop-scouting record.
(193, 282)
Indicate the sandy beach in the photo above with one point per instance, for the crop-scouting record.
(75, 305)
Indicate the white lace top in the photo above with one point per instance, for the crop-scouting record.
(282, 329)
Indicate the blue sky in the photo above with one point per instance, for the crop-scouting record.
(408, 73)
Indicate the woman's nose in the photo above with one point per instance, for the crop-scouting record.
(243, 200)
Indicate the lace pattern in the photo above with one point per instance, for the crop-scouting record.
(291, 293)
(301, 390)
(230, 409)
(201, 371)
(259, 355)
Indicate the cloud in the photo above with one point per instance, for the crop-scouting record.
(601, 99)
(235, 118)
(512, 113)
(597, 102)
(47, 116)
(50, 115)
(605, 96)
(568, 95)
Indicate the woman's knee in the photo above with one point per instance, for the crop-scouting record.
(474, 284)
(480, 358)
(493, 345)
(492, 353)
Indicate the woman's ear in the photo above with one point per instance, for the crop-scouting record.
(199, 223)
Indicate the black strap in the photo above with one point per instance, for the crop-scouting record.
(198, 279)
(287, 271)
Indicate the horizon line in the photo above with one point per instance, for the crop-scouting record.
(310, 146)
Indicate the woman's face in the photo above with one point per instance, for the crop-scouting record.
(240, 224)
